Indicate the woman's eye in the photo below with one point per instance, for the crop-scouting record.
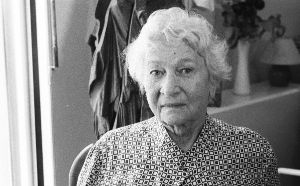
(156, 73)
(185, 70)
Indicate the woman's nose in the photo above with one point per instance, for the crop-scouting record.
(170, 85)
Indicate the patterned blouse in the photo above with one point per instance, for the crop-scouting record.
(144, 154)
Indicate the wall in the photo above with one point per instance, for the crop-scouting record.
(71, 111)
(290, 12)
(73, 128)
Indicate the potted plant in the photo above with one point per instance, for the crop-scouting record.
(241, 17)
(242, 25)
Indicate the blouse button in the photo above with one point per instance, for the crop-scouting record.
(185, 169)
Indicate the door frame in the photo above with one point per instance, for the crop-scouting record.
(25, 59)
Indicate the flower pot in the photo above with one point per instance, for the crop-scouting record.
(242, 81)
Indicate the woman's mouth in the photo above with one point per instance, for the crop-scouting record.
(173, 105)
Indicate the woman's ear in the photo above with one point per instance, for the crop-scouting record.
(211, 89)
(142, 82)
(142, 89)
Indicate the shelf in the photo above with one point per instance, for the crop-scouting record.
(259, 92)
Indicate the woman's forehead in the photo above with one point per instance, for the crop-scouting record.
(181, 53)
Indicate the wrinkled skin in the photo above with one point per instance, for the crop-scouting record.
(176, 86)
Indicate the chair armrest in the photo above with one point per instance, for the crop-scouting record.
(289, 171)
(77, 165)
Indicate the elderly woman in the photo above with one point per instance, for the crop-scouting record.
(177, 61)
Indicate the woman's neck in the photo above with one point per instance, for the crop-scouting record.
(185, 135)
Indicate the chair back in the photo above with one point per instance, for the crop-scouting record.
(77, 165)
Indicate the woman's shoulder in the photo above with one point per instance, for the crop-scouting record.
(241, 138)
(237, 133)
(136, 131)
(246, 146)
(225, 128)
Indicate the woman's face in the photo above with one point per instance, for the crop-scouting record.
(176, 84)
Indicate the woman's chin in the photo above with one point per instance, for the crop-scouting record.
(173, 119)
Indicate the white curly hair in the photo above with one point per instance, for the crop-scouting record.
(172, 27)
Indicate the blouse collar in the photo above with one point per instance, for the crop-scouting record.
(167, 145)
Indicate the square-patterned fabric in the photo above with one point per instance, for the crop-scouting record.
(144, 154)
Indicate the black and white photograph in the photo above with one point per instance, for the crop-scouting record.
(150, 92)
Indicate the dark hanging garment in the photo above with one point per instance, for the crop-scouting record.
(115, 98)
